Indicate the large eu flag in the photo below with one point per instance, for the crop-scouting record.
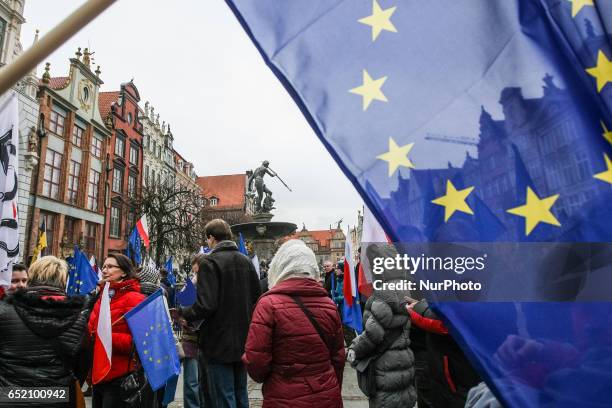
(149, 323)
(471, 121)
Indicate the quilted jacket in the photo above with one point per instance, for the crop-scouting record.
(42, 332)
(285, 352)
(384, 314)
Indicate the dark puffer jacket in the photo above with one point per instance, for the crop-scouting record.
(285, 352)
(385, 314)
(43, 331)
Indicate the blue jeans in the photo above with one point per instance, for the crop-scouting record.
(227, 385)
(191, 383)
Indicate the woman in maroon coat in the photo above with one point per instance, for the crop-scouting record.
(284, 350)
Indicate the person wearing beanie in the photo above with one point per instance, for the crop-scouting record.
(149, 280)
(295, 344)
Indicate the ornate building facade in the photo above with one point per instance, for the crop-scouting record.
(124, 163)
(157, 148)
(68, 183)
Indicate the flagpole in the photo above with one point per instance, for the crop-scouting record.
(10, 74)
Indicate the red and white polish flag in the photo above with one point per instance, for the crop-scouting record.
(143, 230)
(103, 345)
(372, 232)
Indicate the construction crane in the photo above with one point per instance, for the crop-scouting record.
(462, 140)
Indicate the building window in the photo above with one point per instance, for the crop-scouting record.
(153, 176)
(213, 202)
(92, 194)
(132, 185)
(134, 155)
(77, 136)
(146, 179)
(119, 146)
(91, 232)
(2, 32)
(115, 221)
(49, 220)
(69, 231)
(96, 147)
(117, 180)
(51, 178)
(56, 122)
(129, 118)
(73, 181)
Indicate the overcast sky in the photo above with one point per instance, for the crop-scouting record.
(196, 66)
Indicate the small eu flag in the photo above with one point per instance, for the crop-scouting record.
(242, 246)
(133, 248)
(171, 277)
(149, 323)
(186, 296)
(82, 277)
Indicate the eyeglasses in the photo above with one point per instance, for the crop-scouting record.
(109, 266)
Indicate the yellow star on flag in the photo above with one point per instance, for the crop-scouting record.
(607, 134)
(397, 156)
(536, 210)
(379, 20)
(602, 71)
(577, 5)
(606, 175)
(370, 89)
(454, 200)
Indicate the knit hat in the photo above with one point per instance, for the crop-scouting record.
(148, 274)
(293, 260)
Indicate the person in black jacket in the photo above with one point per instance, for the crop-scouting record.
(42, 334)
(227, 290)
(451, 375)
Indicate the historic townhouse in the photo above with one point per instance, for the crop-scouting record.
(124, 163)
(68, 183)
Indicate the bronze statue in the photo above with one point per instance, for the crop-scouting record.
(268, 203)
(256, 184)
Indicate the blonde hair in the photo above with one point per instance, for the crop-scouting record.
(48, 271)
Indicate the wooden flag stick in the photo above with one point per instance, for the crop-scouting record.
(10, 74)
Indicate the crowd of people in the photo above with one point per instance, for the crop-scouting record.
(283, 327)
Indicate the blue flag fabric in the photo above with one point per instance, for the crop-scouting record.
(352, 316)
(170, 391)
(149, 323)
(169, 267)
(82, 278)
(186, 296)
(134, 246)
(242, 246)
(421, 103)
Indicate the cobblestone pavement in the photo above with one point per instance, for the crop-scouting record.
(352, 396)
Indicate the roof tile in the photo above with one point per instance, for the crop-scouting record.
(105, 101)
(229, 189)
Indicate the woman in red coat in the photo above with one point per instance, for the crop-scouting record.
(124, 292)
(299, 367)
